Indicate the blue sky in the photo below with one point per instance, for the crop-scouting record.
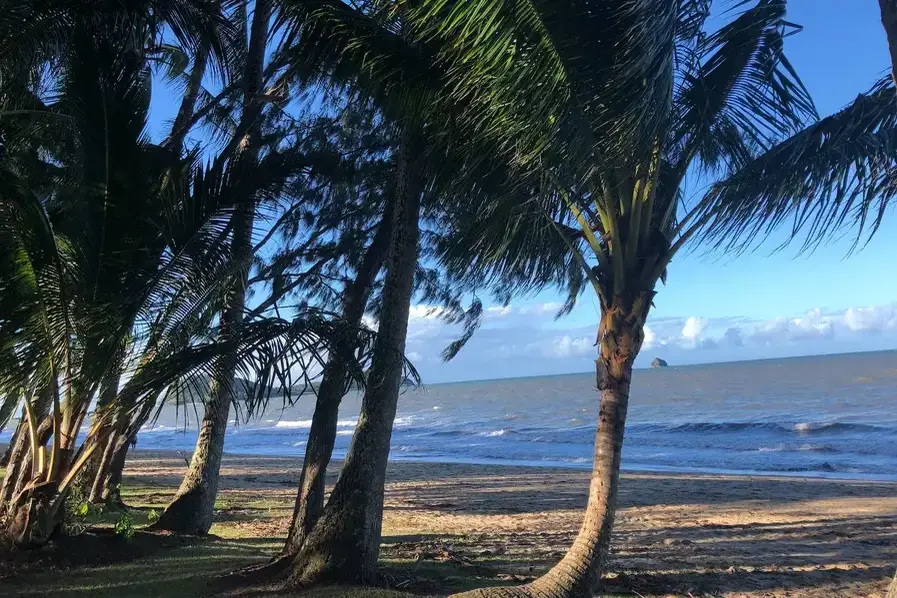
(718, 308)
(714, 307)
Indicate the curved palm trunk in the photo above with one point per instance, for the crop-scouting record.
(19, 471)
(620, 336)
(345, 542)
(108, 478)
(101, 428)
(181, 125)
(192, 509)
(15, 457)
(322, 434)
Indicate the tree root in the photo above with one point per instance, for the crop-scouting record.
(273, 571)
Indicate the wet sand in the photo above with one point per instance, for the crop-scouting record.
(676, 534)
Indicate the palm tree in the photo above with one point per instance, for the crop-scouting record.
(376, 51)
(738, 115)
(115, 255)
(192, 508)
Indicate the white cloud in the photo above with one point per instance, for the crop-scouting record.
(498, 311)
(693, 328)
(526, 340)
(566, 346)
(812, 325)
(650, 338)
(871, 319)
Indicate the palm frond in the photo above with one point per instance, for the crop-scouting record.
(742, 94)
(841, 171)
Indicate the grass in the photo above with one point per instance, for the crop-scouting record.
(185, 571)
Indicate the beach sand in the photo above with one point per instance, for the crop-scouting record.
(676, 534)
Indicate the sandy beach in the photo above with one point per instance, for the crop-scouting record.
(676, 534)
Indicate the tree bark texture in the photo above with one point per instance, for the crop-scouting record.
(109, 475)
(17, 451)
(8, 406)
(889, 21)
(345, 542)
(322, 434)
(18, 474)
(892, 589)
(192, 509)
(620, 336)
(101, 428)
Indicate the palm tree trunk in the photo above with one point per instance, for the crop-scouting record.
(322, 434)
(889, 21)
(19, 472)
(108, 477)
(5, 460)
(15, 455)
(892, 589)
(180, 127)
(98, 487)
(192, 509)
(101, 428)
(620, 336)
(345, 542)
(193, 506)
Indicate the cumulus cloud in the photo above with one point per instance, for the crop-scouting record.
(526, 340)
(693, 328)
(650, 338)
(566, 346)
(871, 319)
(812, 325)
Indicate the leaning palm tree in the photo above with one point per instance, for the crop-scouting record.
(738, 119)
(377, 50)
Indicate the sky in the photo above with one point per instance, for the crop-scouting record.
(763, 304)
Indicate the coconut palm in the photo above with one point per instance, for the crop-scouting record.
(738, 119)
(114, 258)
(377, 51)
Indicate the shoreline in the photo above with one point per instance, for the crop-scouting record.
(584, 467)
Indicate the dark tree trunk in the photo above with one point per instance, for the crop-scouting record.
(620, 337)
(180, 128)
(7, 409)
(345, 542)
(102, 428)
(889, 21)
(192, 510)
(322, 435)
(99, 488)
(17, 451)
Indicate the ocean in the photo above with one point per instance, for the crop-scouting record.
(827, 416)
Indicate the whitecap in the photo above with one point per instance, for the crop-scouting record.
(302, 423)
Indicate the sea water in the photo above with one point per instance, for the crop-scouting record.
(830, 416)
